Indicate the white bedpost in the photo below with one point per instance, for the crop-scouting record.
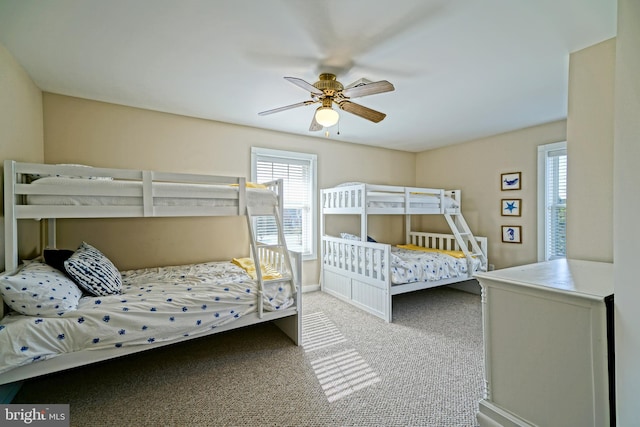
(147, 193)
(51, 233)
(242, 200)
(10, 221)
(407, 229)
(292, 325)
(363, 213)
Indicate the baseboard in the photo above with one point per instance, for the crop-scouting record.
(490, 415)
(310, 288)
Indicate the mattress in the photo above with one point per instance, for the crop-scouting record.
(416, 201)
(408, 266)
(102, 192)
(156, 305)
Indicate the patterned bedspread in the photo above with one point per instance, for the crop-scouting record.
(156, 304)
(408, 266)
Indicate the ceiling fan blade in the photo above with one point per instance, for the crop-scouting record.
(315, 126)
(286, 107)
(368, 89)
(304, 85)
(362, 111)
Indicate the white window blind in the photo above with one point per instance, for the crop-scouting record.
(553, 198)
(298, 172)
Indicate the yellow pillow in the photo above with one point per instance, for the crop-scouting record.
(251, 185)
(455, 254)
(247, 264)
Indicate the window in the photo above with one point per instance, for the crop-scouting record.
(298, 171)
(552, 201)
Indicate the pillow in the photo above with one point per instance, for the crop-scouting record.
(349, 236)
(93, 271)
(56, 257)
(36, 176)
(37, 289)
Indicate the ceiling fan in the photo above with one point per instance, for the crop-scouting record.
(328, 91)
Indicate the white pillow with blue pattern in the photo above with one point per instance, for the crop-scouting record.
(37, 289)
(93, 271)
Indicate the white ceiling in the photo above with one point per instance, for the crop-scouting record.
(462, 69)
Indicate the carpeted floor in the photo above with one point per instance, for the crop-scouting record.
(424, 369)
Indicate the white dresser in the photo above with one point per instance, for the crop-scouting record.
(548, 343)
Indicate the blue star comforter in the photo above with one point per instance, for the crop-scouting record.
(408, 266)
(156, 304)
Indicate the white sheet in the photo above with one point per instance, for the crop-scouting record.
(158, 304)
(105, 193)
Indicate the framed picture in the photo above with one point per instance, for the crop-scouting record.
(511, 234)
(510, 207)
(510, 181)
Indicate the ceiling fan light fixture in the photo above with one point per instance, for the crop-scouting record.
(327, 116)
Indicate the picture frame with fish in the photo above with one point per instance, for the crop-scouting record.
(511, 181)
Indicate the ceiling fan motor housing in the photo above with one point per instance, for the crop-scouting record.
(328, 84)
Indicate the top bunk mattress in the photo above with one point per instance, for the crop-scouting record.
(103, 192)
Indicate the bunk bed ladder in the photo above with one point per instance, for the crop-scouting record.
(465, 239)
(278, 253)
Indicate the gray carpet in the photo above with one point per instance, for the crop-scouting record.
(425, 369)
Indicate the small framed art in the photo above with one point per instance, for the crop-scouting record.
(511, 234)
(510, 181)
(510, 207)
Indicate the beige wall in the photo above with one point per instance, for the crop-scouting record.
(21, 135)
(475, 168)
(101, 134)
(590, 153)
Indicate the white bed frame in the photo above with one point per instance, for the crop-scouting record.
(370, 288)
(16, 187)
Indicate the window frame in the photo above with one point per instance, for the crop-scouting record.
(312, 159)
(543, 153)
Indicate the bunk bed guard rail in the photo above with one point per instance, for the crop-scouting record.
(144, 189)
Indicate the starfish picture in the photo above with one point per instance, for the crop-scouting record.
(511, 207)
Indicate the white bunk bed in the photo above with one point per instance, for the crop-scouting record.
(367, 274)
(39, 191)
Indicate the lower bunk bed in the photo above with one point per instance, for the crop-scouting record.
(368, 274)
(156, 307)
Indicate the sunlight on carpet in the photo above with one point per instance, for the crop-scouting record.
(339, 374)
(343, 373)
(319, 332)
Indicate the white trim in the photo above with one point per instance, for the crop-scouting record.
(305, 157)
